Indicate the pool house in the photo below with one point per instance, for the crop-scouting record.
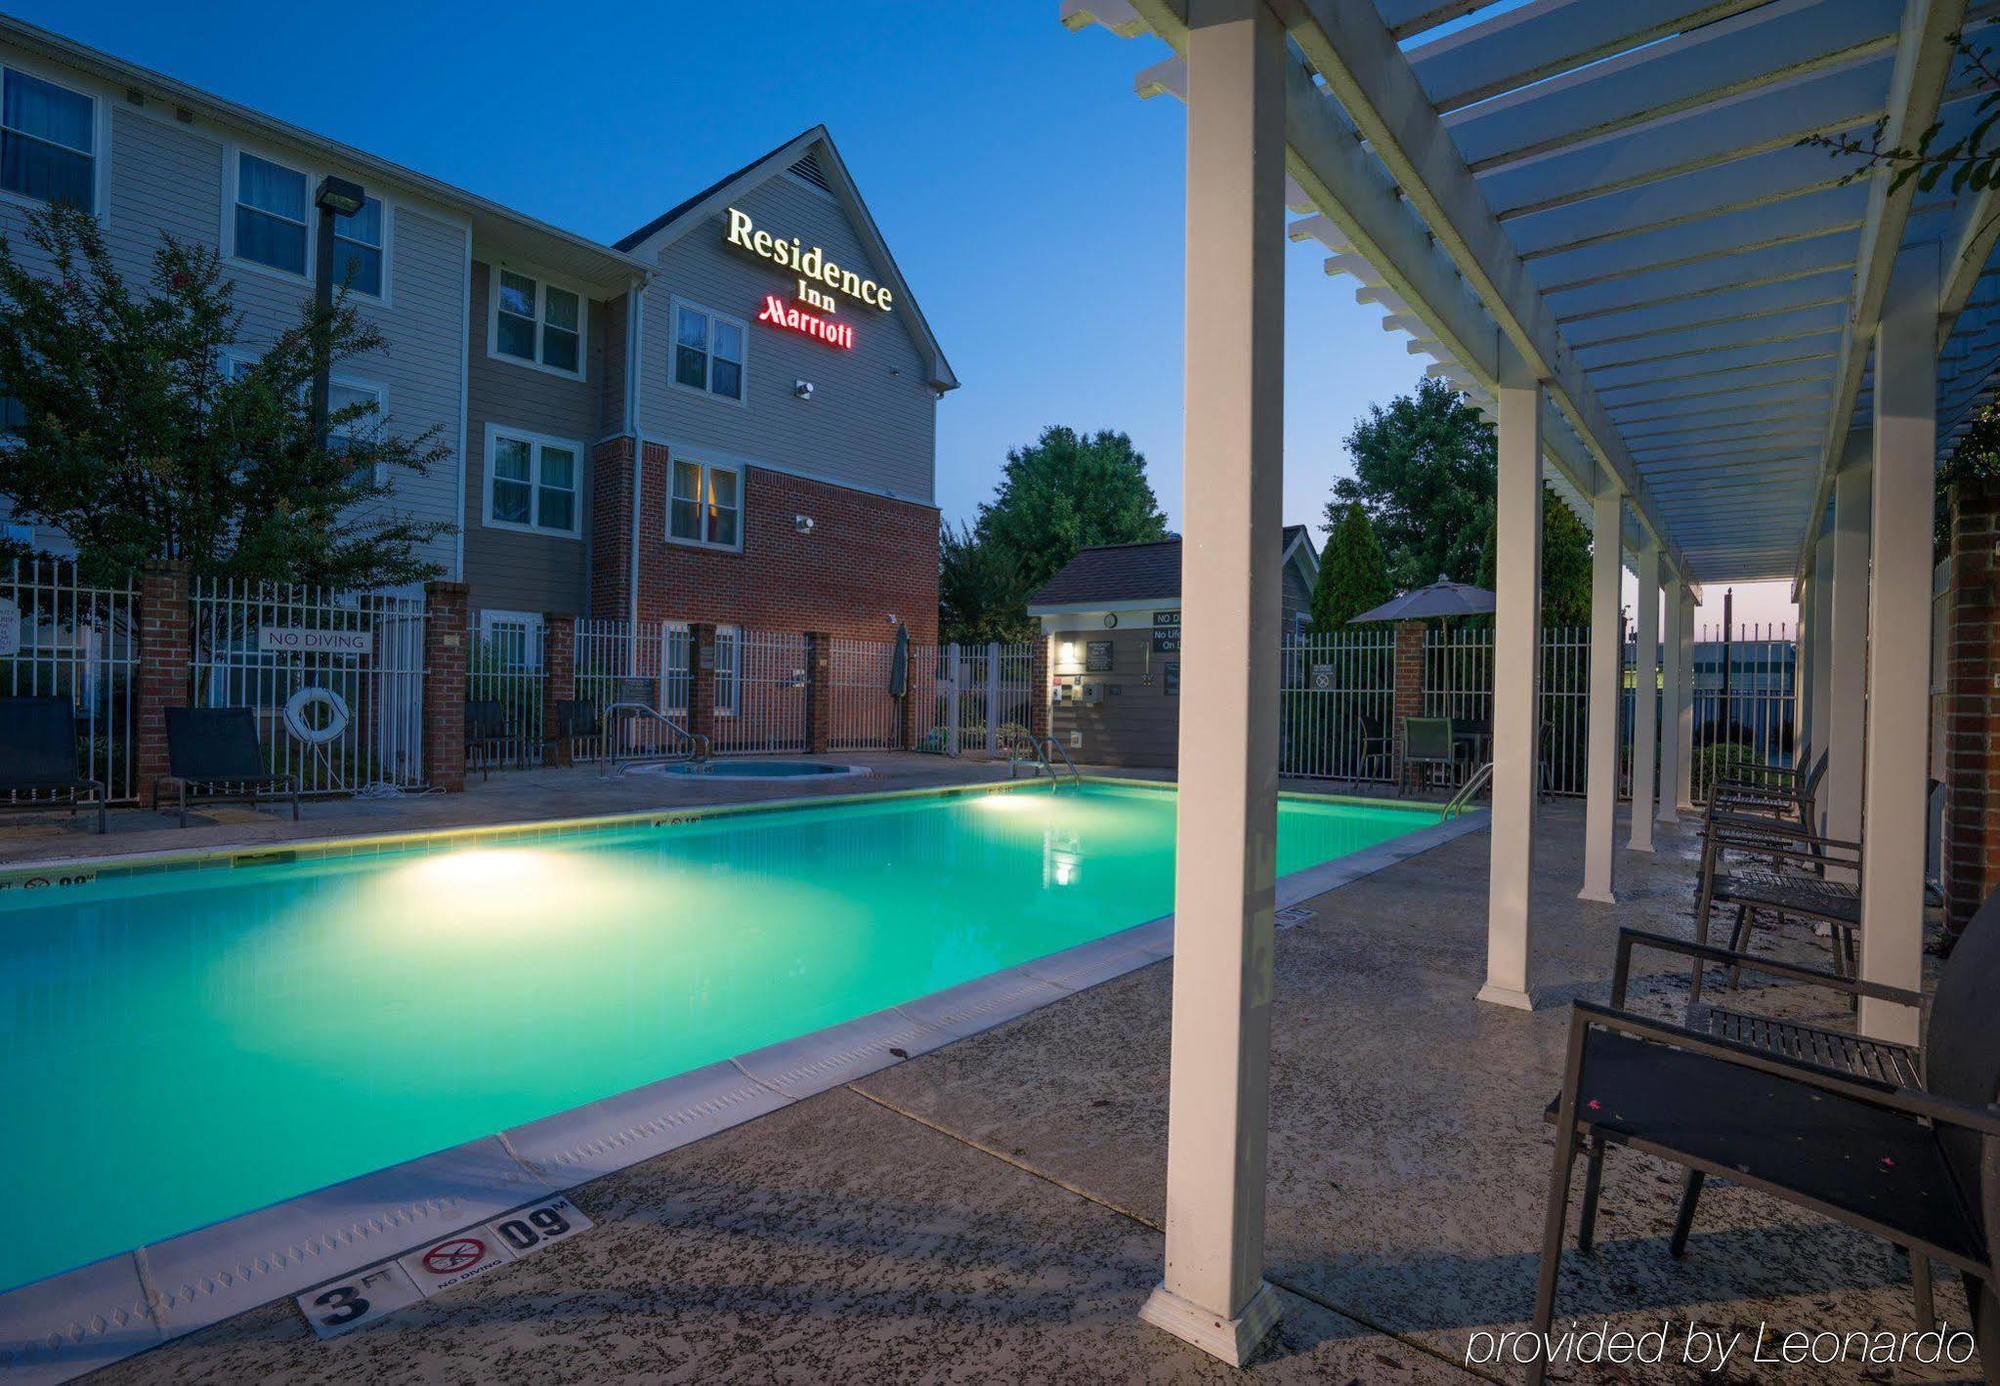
(1740, 357)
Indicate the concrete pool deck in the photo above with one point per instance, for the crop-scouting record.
(990, 1210)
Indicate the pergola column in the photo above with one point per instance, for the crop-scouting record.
(1846, 713)
(1822, 651)
(1671, 698)
(1899, 670)
(1213, 1293)
(1645, 708)
(1600, 808)
(1684, 732)
(1517, 642)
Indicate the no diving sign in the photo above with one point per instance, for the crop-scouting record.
(383, 1288)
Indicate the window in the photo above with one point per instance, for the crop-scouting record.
(513, 642)
(48, 141)
(706, 505)
(270, 214)
(536, 322)
(728, 670)
(357, 250)
(342, 392)
(708, 352)
(531, 482)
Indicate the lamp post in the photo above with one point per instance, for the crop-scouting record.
(336, 197)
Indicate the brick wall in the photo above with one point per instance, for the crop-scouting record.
(1972, 701)
(558, 681)
(444, 686)
(867, 558)
(819, 693)
(164, 653)
(611, 527)
(1409, 700)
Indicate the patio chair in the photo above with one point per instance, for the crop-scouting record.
(38, 756)
(1376, 744)
(485, 734)
(213, 757)
(1788, 878)
(571, 722)
(1840, 1130)
(1427, 744)
(1772, 800)
(1764, 776)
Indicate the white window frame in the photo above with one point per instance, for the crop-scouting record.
(236, 360)
(543, 283)
(232, 177)
(675, 303)
(537, 442)
(100, 127)
(531, 621)
(708, 463)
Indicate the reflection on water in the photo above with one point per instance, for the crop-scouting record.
(181, 1047)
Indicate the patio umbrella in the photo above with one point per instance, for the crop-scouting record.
(1442, 598)
(899, 664)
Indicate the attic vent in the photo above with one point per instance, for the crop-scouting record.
(808, 168)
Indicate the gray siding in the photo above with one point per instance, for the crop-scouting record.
(169, 177)
(1298, 599)
(507, 569)
(1138, 724)
(872, 420)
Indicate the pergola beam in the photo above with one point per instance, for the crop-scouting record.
(1366, 72)
(1924, 56)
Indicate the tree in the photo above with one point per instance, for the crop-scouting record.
(1565, 564)
(1352, 572)
(980, 593)
(1976, 455)
(1065, 492)
(137, 441)
(1425, 469)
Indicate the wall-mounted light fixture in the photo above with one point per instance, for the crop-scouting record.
(802, 523)
(802, 389)
(1067, 652)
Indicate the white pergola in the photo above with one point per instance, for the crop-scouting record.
(1736, 361)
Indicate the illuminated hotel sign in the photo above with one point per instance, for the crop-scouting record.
(813, 269)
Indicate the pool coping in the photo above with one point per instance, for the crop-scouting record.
(76, 1321)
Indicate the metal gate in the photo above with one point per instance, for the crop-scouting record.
(1337, 703)
(260, 646)
(760, 691)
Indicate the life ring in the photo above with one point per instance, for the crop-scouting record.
(300, 725)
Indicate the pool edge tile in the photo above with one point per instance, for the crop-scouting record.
(98, 1314)
(213, 1273)
(965, 1010)
(838, 1054)
(584, 1143)
(1088, 964)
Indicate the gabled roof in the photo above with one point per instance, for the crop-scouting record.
(683, 216)
(1115, 574)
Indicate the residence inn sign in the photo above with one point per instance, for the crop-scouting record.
(814, 268)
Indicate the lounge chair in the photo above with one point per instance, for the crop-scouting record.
(38, 756)
(1838, 1128)
(1787, 876)
(213, 757)
(1773, 800)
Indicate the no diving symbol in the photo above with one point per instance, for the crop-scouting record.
(454, 1255)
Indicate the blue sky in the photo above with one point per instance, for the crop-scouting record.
(1033, 202)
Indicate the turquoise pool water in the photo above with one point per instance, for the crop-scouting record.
(180, 1047)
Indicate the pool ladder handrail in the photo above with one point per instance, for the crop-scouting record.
(1458, 802)
(698, 747)
(1040, 746)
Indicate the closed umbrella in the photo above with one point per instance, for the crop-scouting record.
(1442, 598)
(899, 664)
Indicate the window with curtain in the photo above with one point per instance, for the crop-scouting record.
(357, 249)
(48, 141)
(536, 321)
(705, 505)
(270, 214)
(708, 351)
(532, 483)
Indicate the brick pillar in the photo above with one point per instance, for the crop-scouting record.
(164, 656)
(1409, 697)
(701, 679)
(1972, 701)
(1038, 705)
(611, 503)
(445, 644)
(819, 693)
(906, 706)
(558, 682)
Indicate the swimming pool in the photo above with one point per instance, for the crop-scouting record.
(182, 1046)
